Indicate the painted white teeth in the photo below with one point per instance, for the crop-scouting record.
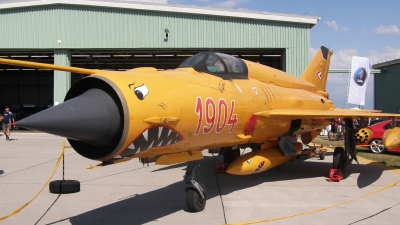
(157, 138)
(151, 145)
(146, 135)
(159, 132)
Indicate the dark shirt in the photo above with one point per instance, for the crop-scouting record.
(7, 117)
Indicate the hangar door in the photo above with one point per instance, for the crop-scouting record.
(28, 91)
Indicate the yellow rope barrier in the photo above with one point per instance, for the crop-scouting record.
(245, 223)
(318, 210)
(47, 182)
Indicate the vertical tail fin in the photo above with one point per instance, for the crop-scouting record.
(317, 71)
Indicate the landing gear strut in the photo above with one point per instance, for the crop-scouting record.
(196, 194)
(230, 154)
(343, 157)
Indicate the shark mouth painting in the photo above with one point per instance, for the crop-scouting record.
(157, 136)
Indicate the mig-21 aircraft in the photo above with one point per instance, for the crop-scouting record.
(211, 101)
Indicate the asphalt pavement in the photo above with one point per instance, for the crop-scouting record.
(133, 193)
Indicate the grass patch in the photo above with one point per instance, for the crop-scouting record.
(388, 159)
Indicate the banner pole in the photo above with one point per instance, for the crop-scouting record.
(348, 83)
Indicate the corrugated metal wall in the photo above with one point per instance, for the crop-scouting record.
(62, 79)
(387, 90)
(82, 27)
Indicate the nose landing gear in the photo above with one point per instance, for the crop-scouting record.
(196, 194)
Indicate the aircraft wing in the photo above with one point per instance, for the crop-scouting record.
(325, 114)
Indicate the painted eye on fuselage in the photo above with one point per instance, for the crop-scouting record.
(141, 91)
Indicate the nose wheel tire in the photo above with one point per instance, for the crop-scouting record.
(196, 194)
(194, 201)
(339, 159)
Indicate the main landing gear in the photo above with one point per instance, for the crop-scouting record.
(196, 193)
(343, 157)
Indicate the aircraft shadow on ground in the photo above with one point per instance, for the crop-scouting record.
(369, 173)
(153, 205)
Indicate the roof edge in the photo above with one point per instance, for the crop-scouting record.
(387, 63)
(168, 8)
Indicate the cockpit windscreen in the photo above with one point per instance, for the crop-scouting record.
(218, 64)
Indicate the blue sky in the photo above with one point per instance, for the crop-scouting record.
(364, 28)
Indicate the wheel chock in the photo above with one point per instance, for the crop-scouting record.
(335, 175)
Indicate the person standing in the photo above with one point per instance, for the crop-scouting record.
(7, 120)
(334, 129)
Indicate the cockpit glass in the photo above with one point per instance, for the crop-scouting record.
(233, 64)
(221, 65)
(215, 65)
(192, 60)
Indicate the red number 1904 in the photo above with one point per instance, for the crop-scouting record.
(215, 116)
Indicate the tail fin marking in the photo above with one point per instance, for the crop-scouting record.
(317, 71)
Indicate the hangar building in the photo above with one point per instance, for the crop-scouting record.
(386, 86)
(121, 35)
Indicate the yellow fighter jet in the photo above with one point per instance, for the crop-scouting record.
(211, 101)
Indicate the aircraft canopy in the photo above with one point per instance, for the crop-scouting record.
(218, 64)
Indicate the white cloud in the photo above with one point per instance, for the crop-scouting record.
(335, 26)
(388, 54)
(336, 86)
(312, 52)
(337, 83)
(341, 59)
(229, 4)
(389, 30)
(151, 1)
(332, 24)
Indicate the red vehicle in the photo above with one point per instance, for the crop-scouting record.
(375, 140)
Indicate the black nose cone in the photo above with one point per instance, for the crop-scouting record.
(92, 117)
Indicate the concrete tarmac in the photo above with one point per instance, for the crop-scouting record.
(132, 193)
